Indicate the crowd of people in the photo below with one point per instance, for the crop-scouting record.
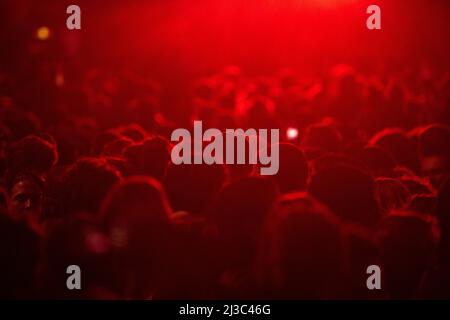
(86, 179)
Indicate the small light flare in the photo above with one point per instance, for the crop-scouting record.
(292, 133)
(43, 33)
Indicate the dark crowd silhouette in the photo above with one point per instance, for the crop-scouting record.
(87, 180)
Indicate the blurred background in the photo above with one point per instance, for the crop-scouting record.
(194, 37)
(174, 41)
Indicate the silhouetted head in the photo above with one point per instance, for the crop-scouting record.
(259, 115)
(116, 147)
(322, 136)
(136, 200)
(85, 184)
(193, 187)
(302, 254)
(136, 215)
(150, 157)
(132, 131)
(102, 139)
(32, 154)
(347, 191)
(239, 212)
(399, 146)
(141, 112)
(21, 123)
(293, 171)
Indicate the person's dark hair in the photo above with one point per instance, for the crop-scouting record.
(322, 136)
(192, 188)
(293, 169)
(301, 240)
(136, 216)
(434, 140)
(32, 154)
(85, 184)
(102, 139)
(136, 198)
(133, 131)
(348, 191)
(150, 157)
(142, 112)
(116, 147)
(239, 212)
(399, 146)
(13, 179)
(21, 123)
(71, 145)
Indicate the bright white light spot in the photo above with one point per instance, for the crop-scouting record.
(292, 133)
